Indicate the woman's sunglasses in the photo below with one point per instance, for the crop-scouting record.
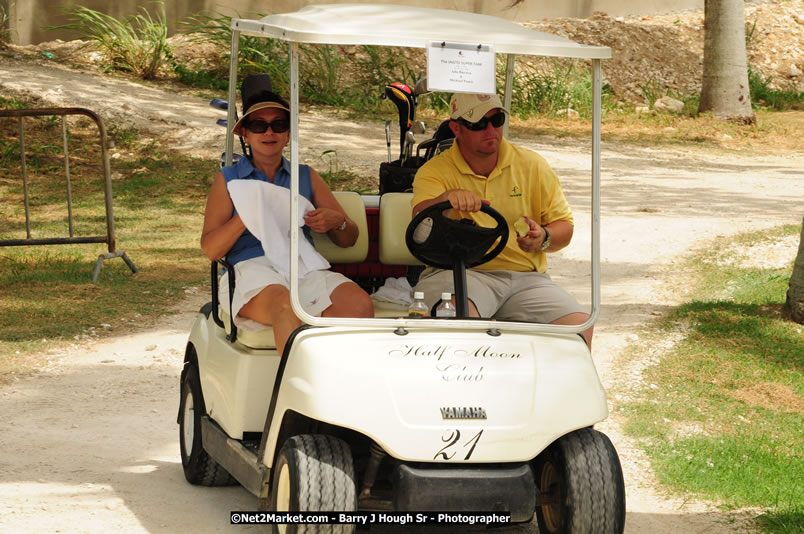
(496, 120)
(260, 126)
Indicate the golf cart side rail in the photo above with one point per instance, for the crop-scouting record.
(402, 26)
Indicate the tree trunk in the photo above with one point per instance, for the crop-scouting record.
(794, 306)
(724, 89)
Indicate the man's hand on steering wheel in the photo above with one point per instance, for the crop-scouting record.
(464, 200)
(440, 240)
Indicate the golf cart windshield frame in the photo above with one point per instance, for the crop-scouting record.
(415, 27)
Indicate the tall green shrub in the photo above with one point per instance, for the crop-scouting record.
(137, 44)
(255, 54)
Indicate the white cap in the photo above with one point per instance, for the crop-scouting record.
(418, 295)
(472, 107)
(446, 296)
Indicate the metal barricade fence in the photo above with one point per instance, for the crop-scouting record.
(109, 238)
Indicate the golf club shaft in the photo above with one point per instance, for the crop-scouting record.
(388, 138)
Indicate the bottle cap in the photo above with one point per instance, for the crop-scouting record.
(418, 295)
(446, 296)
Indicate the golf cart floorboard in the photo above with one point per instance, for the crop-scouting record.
(237, 457)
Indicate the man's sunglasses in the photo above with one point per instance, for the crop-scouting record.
(496, 120)
(259, 126)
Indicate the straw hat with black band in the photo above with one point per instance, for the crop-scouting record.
(256, 93)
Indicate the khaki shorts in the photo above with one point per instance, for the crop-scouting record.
(255, 274)
(530, 297)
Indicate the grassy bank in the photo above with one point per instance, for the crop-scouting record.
(721, 413)
(47, 291)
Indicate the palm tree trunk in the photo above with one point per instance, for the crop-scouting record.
(794, 306)
(724, 88)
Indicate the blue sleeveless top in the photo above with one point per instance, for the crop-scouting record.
(247, 246)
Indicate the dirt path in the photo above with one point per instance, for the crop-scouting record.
(90, 444)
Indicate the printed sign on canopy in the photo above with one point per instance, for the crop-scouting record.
(461, 67)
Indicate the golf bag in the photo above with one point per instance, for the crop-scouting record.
(397, 176)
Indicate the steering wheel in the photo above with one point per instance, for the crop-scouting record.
(447, 240)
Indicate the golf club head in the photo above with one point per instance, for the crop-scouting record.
(402, 96)
(418, 127)
(410, 141)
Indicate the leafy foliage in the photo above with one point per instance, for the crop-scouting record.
(137, 44)
(762, 93)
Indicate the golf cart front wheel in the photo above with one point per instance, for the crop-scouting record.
(314, 472)
(580, 482)
(199, 467)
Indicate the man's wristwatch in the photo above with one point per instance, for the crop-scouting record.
(342, 227)
(546, 242)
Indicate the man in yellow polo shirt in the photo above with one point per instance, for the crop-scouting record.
(483, 167)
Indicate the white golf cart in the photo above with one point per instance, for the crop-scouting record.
(398, 414)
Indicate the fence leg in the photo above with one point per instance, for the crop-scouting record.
(108, 256)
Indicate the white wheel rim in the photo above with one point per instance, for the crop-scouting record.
(283, 494)
(188, 423)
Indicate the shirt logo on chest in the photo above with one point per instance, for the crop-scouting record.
(515, 192)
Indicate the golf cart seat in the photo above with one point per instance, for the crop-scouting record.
(395, 214)
(353, 205)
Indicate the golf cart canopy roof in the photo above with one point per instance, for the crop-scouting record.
(415, 27)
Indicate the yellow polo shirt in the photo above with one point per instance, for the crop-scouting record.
(522, 184)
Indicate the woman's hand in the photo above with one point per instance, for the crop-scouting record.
(323, 220)
(328, 215)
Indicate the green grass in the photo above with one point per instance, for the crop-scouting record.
(763, 95)
(721, 415)
(783, 521)
(13, 103)
(547, 86)
(47, 290)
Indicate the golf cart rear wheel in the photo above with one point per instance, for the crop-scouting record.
(199, 468)
(581, 474)
(314, 472)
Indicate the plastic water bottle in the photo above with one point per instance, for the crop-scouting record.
(419, 308)
(446, 308)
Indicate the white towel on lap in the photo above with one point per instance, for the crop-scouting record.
(265, 210)
(395, 290)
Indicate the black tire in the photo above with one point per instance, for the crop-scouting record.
(199, 467)
(314, 472)
(582, 474)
